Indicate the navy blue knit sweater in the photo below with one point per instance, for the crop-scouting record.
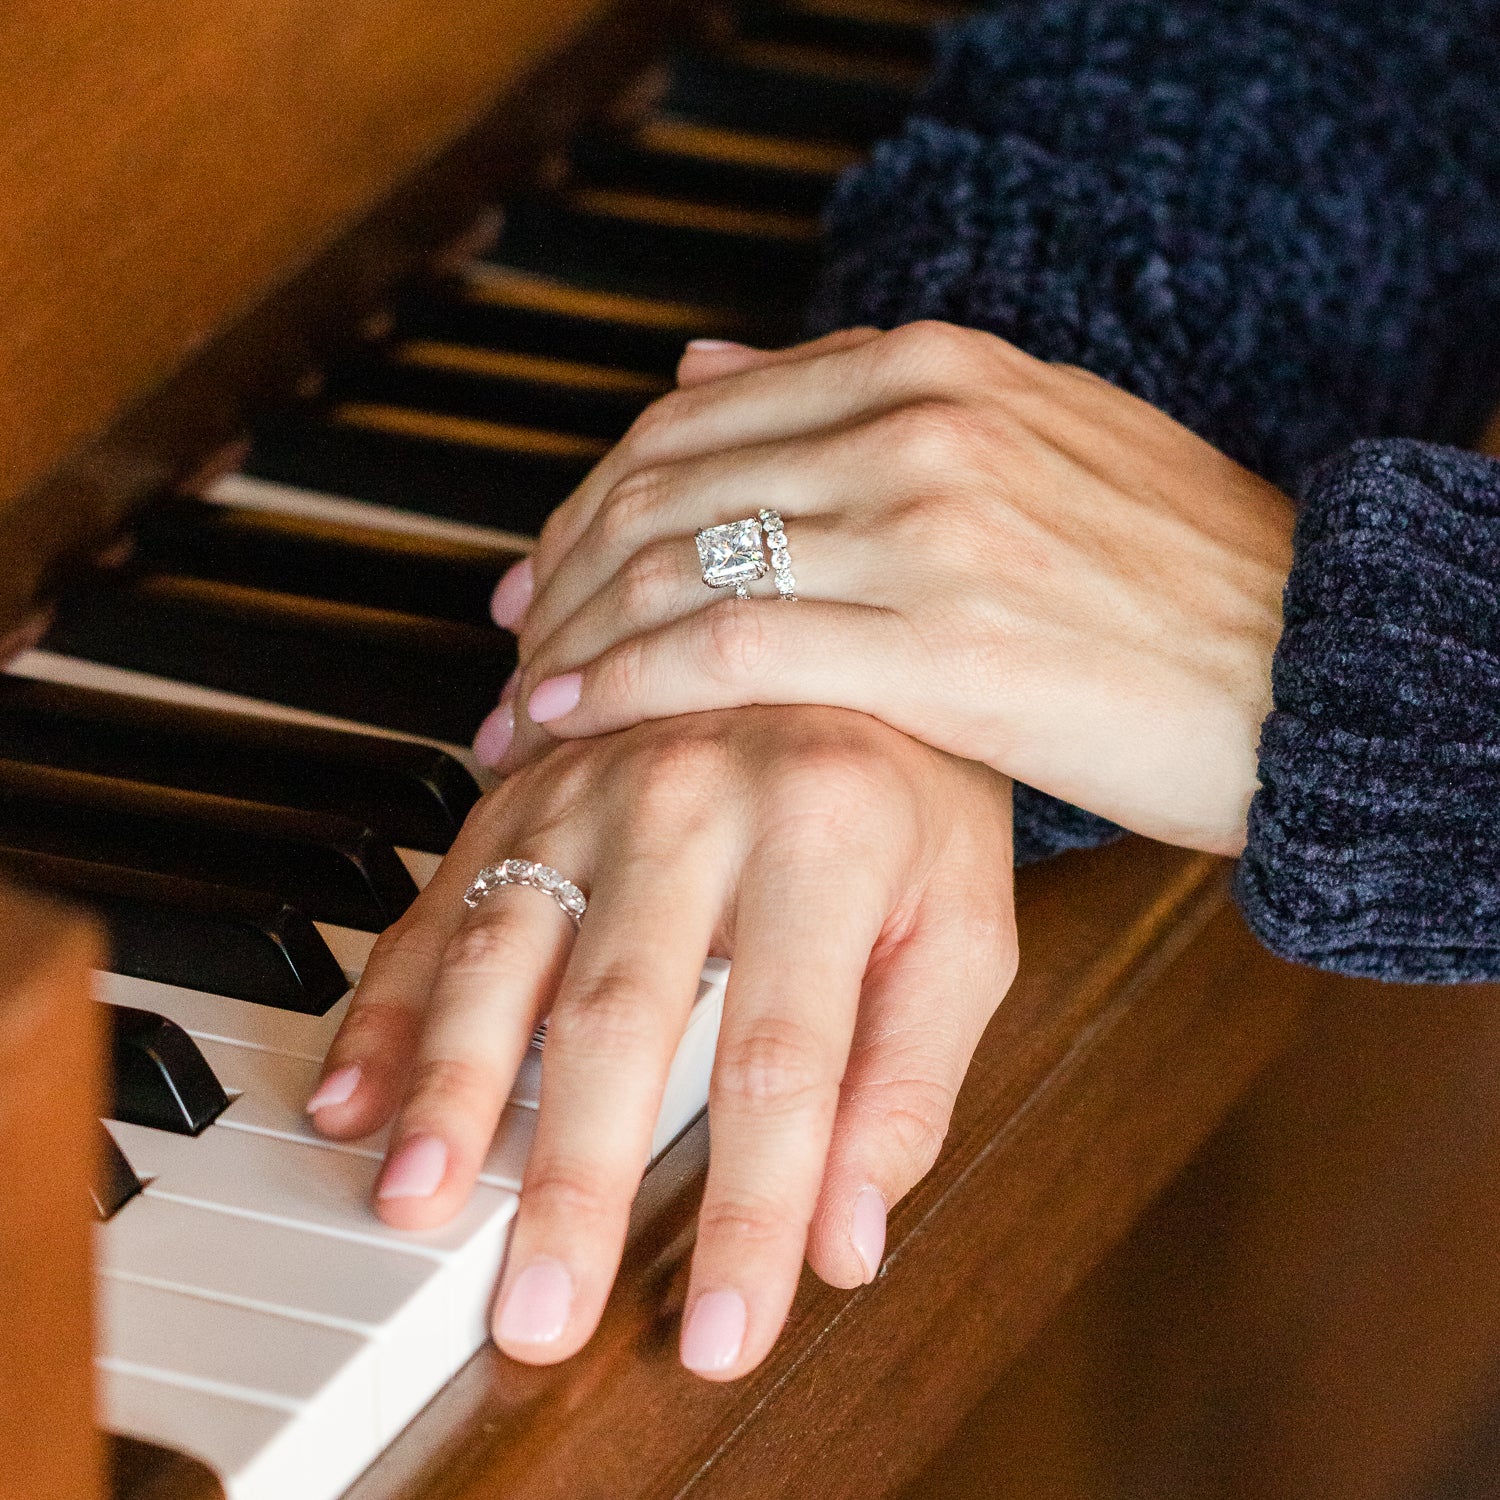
(1278, 220)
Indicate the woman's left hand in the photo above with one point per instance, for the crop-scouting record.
(1016, 562)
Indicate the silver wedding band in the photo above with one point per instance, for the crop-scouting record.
(528, 873)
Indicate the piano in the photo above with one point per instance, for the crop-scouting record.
(237, 736)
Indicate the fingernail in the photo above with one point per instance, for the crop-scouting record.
(714, 1332)
(555, 697)
(512, 683)
(337, 1088)
(512, 596)
(495, 735)
(867, 1229)
(712, 346)
(415, 1170)
(537, 1304)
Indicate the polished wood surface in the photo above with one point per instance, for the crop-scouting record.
(203, 197)
(1142, 1011)
(47, 1135)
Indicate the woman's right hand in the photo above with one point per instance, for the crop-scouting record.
(861, 883)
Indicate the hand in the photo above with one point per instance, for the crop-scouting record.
(860, 881)
(1013, 561)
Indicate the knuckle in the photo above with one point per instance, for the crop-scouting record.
(613, 1018)
(912, 1114)
(651, 577)
(780, 1065)
(486, 947)
(928, 438)
(677, 769)
(452, 1085)
(747, 1221)
(629, 506)
(577, 1191)
(736, 643)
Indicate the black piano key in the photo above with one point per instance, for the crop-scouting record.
(537, 316)
(678, 158)
(511, 486)
(662, 248)
(115, 1182)
(420, 676)
(899, 32)
(743, 91)
(412, 794)
(158, 1077)
(525, 390)
(333, 868)
(169, 930)
(392, 570)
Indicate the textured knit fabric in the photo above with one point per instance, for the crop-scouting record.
(1277, 220)
(1375, 838)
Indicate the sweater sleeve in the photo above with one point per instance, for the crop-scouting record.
(1277, 220)
(1374, 841)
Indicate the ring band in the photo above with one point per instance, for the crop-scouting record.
(781, 559)
(731, 555)
(526, 872)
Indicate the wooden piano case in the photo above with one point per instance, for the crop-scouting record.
(203, 198)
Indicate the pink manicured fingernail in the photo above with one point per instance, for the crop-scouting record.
(714, 1332)
(713, 346)
(512, 684)
(512, 596)
(537, 1304)
(337, 1088)
(415, 1170)
(495, 735)
(555, 697)
(867, 1230)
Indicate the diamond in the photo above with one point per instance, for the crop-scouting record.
(731, 554)
(781, 558)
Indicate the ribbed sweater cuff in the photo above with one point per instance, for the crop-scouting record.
(1374, 841)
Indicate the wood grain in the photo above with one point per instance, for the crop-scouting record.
(48, 1111)
(1142, 1011)
(204, 196)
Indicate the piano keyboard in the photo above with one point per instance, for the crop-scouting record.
(246, 747)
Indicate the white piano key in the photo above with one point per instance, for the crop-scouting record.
(227, 1020)
(245, 491)
(274, 1088)
(290, 1182)
(326, 1375)
(350, 947)
(392, 1297)
(50, 666)
(327, 1191)
(528, 1087)
(687, 1083)
(420, 864)
(260, 1452)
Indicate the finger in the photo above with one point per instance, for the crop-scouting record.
(910, 1054)
(759, 405)
(712, 359)
(496, 978)
(621, 1011)
(365, 1072)
(803, 933)
(735, 653)
(801, 477)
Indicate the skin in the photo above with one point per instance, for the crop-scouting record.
(861, 881)
(1014, 561)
